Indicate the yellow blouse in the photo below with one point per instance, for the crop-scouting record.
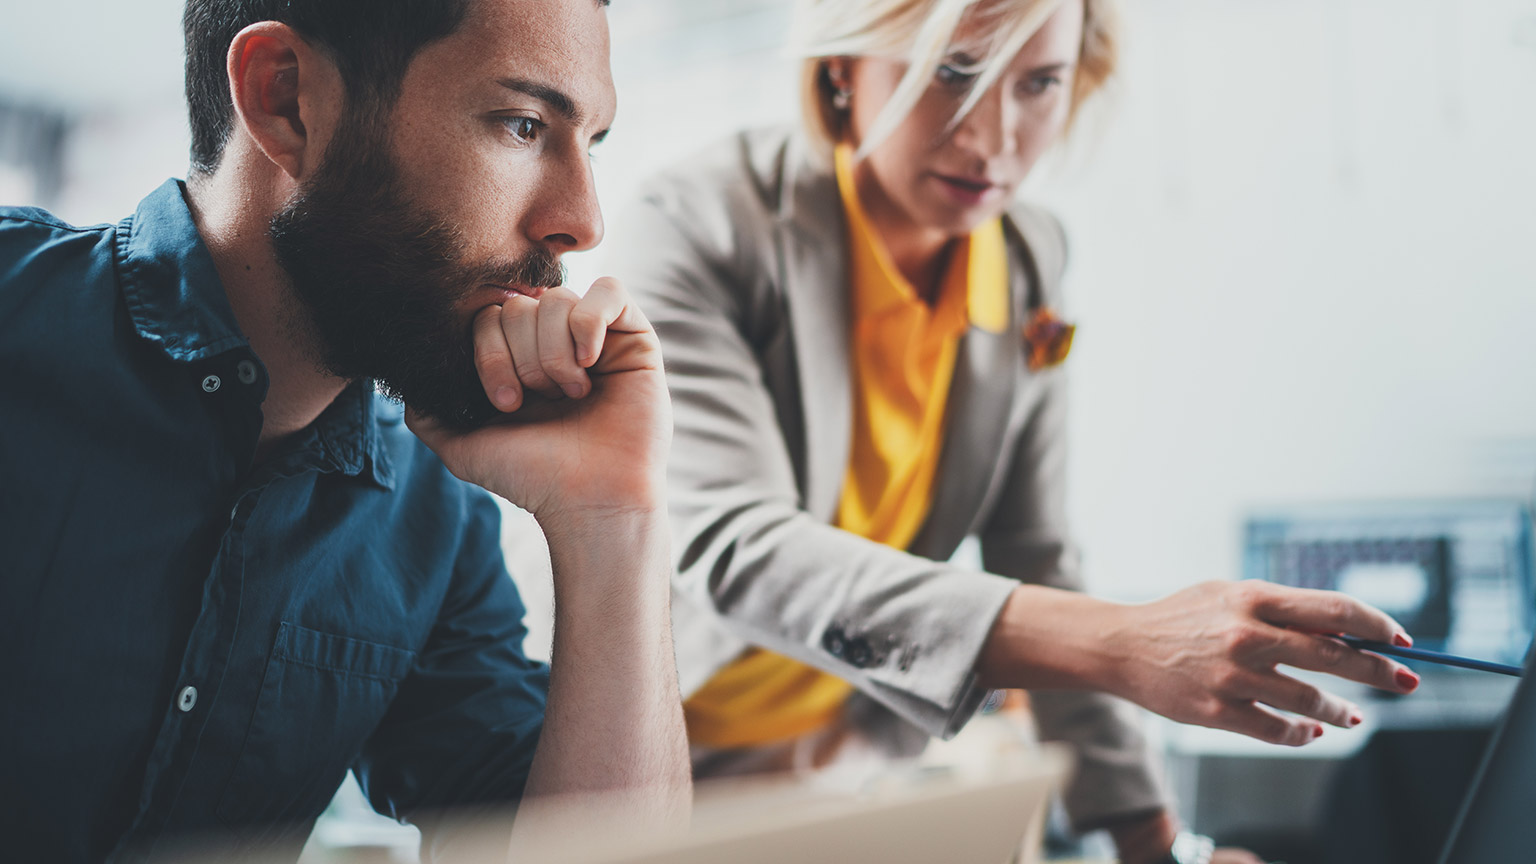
(903, 357)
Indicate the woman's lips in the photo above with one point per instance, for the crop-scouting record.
(967, 191)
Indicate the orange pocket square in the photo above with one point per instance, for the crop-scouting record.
(1049, 339)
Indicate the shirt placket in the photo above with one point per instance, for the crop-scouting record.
(213, 636)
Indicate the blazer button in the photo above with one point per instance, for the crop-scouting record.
(835, 642)
(859, 653)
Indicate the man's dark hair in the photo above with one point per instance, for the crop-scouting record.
(371, 41)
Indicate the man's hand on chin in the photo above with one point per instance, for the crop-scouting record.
(582, 445)
(586, 419)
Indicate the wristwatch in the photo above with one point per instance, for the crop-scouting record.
(1190, 849)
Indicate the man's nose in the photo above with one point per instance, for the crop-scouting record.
(566, 216)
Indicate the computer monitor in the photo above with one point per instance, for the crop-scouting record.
(1455, 573)
(1497, 822)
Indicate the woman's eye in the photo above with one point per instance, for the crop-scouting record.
(1039, 84)
(952, 76)
(524, 129)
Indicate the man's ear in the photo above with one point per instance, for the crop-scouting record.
(287, 96)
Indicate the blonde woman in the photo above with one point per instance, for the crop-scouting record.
(858, 326)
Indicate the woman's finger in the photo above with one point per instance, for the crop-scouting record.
(1323, 612)
(1287, 694)
(1249, 719)
(1326, 654)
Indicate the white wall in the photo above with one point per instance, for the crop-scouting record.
(1305, 265)
(1303, 238)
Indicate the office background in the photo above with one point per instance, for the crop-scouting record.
(1303, 235)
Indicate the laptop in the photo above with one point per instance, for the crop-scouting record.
(1498, 818)
(994, 816)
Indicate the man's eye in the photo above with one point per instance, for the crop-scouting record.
(952, 76)
(524, 129)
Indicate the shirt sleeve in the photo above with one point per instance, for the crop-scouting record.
(462, 731)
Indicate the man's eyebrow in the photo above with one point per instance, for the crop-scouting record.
(546, 94)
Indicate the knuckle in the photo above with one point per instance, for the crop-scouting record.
(489, 358)
(1331, 654)
(556, 357)
(1383, 669)
(586, 318)
(559, 297)
(488, 314)
(1241, 638)
(531, 373)
(518, 306)
(1248, 596)
(1338, 607)
(1278, 731)
(1313, 702)
(608, 284)
(1214, 711)
(1227, 680)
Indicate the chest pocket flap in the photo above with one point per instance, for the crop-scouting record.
(321, 697)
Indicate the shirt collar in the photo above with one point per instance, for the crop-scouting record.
(172, 289)
(980, 269)
(350, 434)
(177, 303)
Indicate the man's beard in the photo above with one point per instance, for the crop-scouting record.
(380, 279)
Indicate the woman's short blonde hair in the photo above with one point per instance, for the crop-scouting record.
(920, 33)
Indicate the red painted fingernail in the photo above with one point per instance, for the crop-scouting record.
(1407, 680)
(1317, 732)
(1402, 640)
(1355, 720)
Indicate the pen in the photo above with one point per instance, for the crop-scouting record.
(1431, 656)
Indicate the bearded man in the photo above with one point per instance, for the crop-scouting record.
(234, 571)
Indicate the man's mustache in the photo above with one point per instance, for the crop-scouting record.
(536, 268)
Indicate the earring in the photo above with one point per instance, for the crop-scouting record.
(842, 97)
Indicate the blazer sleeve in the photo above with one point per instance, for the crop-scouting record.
(902, 629)
(1026, 538)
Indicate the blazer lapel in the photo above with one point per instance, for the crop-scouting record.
(815, 274)
(981, 398)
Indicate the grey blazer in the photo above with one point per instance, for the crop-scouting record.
(738, 258)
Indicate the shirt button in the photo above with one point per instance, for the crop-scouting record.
(211, 383)
(859, 653)
(835, 641)
(187, 699)
(247, 371)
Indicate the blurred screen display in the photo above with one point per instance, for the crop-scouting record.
(1457, 574)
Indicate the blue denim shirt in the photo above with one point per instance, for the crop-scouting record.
(197, 644)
